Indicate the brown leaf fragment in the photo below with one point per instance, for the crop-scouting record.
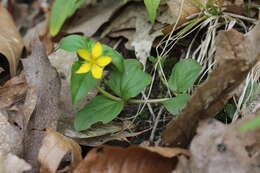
(13, 91)
(90, 19)
(97, 141)
(17, 102)
(125, 160)
(168, 152)
(11, 137)
(223, 148)
(188, 8)
(236, 54)
(11, 42)
(44, 78)
(53, 150)
(10, 163)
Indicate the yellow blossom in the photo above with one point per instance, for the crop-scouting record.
(94, 61)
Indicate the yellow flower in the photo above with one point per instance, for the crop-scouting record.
(94, 61)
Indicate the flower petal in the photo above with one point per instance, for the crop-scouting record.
(104, 60)
(97, 71)
(84, 54)
(97, 50)
(84, 68)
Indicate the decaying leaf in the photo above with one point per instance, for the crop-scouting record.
(223, 148)
(90, 19)
(11, 137)
(119, 160)
(236, 54)
(55, 148)
(10, 163)
(44, 78)
(99, 129)
(17, 102)
(100, 140)
(13, 91)
(186, 8)
(11, 43)
(133, 24)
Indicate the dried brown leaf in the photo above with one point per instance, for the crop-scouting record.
(189, 8)
(90, 19)
(119, 160)
(11, 42)
(53, 150)
(223, 148)
(168, 152)
(17, 102)
(41, 76)
(236, 54)
(97, 141)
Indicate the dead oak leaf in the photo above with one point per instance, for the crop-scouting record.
(53, 150)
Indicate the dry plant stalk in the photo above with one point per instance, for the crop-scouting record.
(236, 54)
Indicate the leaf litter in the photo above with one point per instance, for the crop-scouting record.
(33, 108)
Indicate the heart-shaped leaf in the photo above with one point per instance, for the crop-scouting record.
(176, 104)
(72, 43)
(184, 74)
(99, 109)
(131, 82)
(81, 84)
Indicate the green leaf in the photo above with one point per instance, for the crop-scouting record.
(152, 6)
(99, 109)
(117, 58)
(184, 74)
(176, 104)
(61, 10)
(72, 43)
(81, 84)
(131, 82)
(251, 125)
(230, 109)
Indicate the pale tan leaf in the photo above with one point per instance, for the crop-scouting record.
(168, 152)
(10, 163)
(11, 42)
(54, 148)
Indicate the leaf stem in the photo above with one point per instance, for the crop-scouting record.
(148, 101)
(107, 94)
(115, 98)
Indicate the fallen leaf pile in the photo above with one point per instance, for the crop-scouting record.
(36, 111)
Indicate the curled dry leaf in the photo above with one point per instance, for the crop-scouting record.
(236, 54)
(11, 42)
(97, 141)
(56, 147)
(98, 129)
(126, 160)
(10, 163)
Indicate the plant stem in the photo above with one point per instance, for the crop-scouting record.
(148, 101)
(115, 98)
(107, 94)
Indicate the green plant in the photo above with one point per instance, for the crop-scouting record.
(126, 80)
(251, 125)
(61, 10)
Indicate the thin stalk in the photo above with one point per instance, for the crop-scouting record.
(108, 95)
(115, 98)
